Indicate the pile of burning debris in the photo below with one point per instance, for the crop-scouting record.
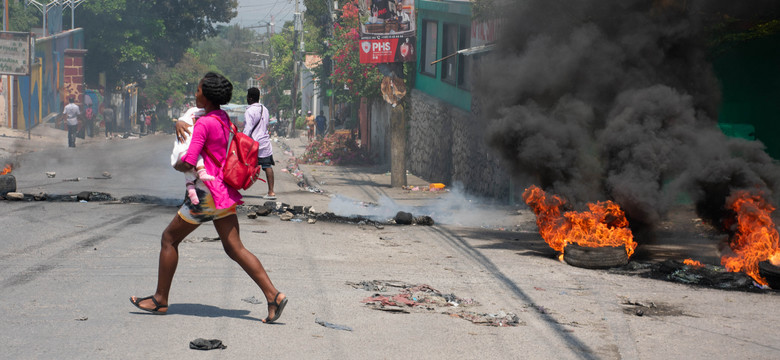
(601, 238)
(298, 213)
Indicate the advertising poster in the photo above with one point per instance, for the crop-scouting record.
(387, 31)
(14, 53)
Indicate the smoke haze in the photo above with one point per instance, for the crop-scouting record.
(597, 100)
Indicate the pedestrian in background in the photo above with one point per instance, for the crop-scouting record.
(89, 116)
(109, 119)
(256, 127)
(71, 116)
(218, 203)
(321, 121)
(310, 125)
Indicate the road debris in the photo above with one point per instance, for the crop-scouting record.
(252, 300)
(332, 325)
(424, 298)
(204, 344)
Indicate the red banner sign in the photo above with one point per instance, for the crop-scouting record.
(387, 50)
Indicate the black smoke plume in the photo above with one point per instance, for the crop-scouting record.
(617, 100)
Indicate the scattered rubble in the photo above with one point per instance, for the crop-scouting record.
(710, 276)
(424, 298)
(649, 308)
(298, 213)
(15, 196)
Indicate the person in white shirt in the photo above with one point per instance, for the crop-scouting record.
(256, 126)
(71, 116)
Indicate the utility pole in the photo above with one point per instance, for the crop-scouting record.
(294, 90)
(329, 32)
(7, 77)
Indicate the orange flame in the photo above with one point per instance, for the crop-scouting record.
(604, 225)
(756, 238)
(691, 262)
(7, 169)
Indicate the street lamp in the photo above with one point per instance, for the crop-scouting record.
(73, 4)
(44, 8)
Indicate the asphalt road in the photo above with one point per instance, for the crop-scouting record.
(68, 268)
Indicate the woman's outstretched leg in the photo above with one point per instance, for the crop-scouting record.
(172, 236)
(227, 228)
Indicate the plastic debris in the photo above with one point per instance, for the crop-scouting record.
(436, 186)
(203, 344)
(252, 300)
(332, 325)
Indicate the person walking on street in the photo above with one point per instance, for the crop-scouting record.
(71, 116)
(109, 120)
(218, 203)
(256, 127)
(89, 116)
(321, 121)
(310, 124)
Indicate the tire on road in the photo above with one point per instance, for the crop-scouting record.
(595, 257)
(7, 184)
(771, 273)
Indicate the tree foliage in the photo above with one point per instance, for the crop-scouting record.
(124, 35)
(20, 18)
(280, 72)
(228, 54)
(351, 79)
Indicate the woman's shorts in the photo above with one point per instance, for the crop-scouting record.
(205, 211)
(266, 162)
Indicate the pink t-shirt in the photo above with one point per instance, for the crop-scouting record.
(211, 131)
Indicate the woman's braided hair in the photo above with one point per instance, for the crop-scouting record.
(216, 88)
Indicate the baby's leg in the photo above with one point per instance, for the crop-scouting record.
(192, 193)
(200, 167)
(203, 175)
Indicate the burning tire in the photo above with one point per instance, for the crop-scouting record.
(771, 273)
(7, 184)
(595, 257)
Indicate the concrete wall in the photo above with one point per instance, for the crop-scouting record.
(446, 144)
(43, 93)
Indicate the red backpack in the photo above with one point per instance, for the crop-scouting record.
(240, 169)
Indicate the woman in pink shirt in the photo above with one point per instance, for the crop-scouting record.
(217, 203)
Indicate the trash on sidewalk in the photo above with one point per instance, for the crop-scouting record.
(436, 186)
(203, 344)
(332, 325)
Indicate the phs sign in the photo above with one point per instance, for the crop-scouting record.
(14, 53)
(387, 50)
(389, 33)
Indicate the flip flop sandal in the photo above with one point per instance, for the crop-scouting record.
(279, 307)
(157, 305)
